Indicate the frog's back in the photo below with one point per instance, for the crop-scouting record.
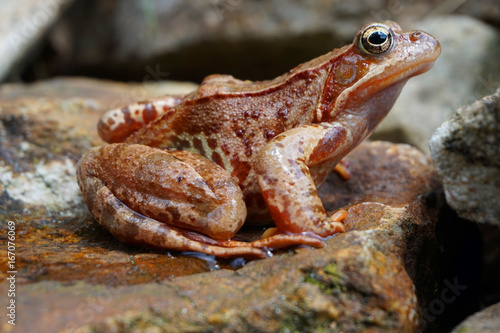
(229, 120)
(226, 85)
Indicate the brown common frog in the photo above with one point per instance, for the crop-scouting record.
(185, 172)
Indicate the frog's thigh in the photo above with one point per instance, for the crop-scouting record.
(177, 188)
(133, 228)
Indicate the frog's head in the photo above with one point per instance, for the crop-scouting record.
(369, 74)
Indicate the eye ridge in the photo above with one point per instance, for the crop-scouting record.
(375, 39)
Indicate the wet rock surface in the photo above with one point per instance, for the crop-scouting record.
(466, 152)
(44, 129)
(381, 275)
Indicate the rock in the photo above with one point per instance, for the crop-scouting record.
(382, 274)
(466, 152)
(486, 321)
(467, 70)
(23, 24)
(44, 129)
(43, 135)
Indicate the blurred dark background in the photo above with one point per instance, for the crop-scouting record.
(250, 39)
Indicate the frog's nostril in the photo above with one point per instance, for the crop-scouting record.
(415, 36)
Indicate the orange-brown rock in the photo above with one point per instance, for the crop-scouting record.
(71, 274)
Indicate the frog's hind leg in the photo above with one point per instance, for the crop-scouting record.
(274, 242)
(118, 124)
(150, 196)
(133, 228)
(273, 238)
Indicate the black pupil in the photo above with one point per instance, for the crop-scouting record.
(377, 37)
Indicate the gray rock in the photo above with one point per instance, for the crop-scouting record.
(23, 25)
(485, 321)
(467, 70)
(466, 152)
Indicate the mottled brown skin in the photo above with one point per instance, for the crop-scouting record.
(236, 151)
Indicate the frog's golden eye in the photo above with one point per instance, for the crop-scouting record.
(376, 39)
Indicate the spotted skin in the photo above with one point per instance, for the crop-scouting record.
(116, 125)
(185, 173)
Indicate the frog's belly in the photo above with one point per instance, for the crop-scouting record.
(257, 213)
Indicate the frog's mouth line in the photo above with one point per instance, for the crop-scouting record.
(414, 67)
(365, 89)
(412, 71)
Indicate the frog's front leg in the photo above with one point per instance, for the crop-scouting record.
(289, 170)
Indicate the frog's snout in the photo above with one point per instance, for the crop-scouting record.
(429, 46)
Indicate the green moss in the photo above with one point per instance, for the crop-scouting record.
(302, 323)
(329, 280)
(332, 270)
(311, 278)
